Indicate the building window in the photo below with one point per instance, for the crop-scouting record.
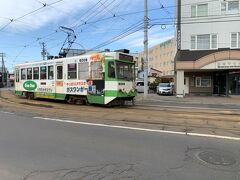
(36, 73)
(204, 81)
(204, 41)
(235, 40)
(193, 42)
(230, 7)
(72, 71)
(199, 10)
(214, 41)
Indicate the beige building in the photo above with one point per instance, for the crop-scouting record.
(208, 51)
(161, 57)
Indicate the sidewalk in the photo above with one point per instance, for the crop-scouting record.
(207, 100)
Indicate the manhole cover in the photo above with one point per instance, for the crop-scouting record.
(217, 158)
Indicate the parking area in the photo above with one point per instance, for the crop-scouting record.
(223, 102)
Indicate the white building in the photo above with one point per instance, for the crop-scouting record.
(208, 42)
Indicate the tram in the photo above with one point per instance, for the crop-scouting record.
(103, 78)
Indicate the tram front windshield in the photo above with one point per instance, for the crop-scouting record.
(125, 71)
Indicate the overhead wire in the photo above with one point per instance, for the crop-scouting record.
(130, 30)
(121, 15)
(27, 14)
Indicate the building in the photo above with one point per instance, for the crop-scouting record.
(208, 47)
(3, 77)
(160, 58)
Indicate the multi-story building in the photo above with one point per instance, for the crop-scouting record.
(208, 47)
(161, 58)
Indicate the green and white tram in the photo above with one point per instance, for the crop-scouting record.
(102, 78)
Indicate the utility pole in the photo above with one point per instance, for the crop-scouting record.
(3, 69)
(44, 51)
(146, 48)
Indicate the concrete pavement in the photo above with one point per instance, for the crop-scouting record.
(35, 149)
(213, 102)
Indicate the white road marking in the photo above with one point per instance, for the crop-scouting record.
(5, 112)
(140, 129)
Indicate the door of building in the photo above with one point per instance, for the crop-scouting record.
(219, 84)
(186, 85)
(234, 84)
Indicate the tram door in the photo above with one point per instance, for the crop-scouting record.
(59, 81)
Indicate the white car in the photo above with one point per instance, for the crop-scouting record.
(140, 86)
(165, 88)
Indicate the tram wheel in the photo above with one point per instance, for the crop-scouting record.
(30, 96)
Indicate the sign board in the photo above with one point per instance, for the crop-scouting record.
(225, 64)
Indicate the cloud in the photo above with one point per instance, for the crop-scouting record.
(156, 36)
(56, 13)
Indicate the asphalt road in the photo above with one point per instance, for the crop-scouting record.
(36, 149)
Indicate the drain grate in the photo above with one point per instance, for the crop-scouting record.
(217, 158)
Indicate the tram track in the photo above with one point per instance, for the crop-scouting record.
(160, 118)
(95, 108)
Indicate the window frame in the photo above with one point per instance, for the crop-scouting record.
(196, 7)
(38, 74)
(41, 73)
(98, 71)
(31, 74)
(227, 11)
(80, 70)
(57, 77)
(237, 40)
(111, 77)
(75, 71)
(17, 72)
(48, 72)
(210, 41)
(200, 80)
(21, 76)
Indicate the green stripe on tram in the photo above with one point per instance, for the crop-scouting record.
(112, 93)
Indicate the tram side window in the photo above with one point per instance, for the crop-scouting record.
(29, 73)
(111, 70)
(43, 72)
(36, 73)
(59, 72)
(97, 70)
(17, 75)
(50, 73)
(23, 74)
(72, 71)
(83, 71)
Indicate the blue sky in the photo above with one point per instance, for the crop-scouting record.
(20, 40)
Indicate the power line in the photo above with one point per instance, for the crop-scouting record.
(87, 24)
(121, 15)
(94, 14)
(27, 14)
(130, 30)
(86, 14)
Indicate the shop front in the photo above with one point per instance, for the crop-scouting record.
(214, 74)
